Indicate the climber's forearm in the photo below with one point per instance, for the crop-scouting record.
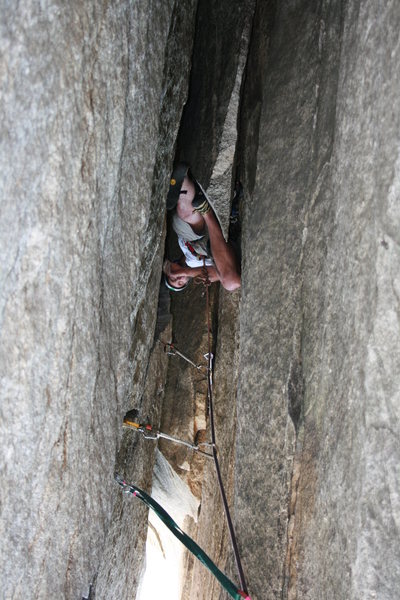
(199, 272)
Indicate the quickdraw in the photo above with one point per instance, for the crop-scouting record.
(170, 349)
(151, 434)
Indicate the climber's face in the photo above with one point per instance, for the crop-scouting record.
(177, 280)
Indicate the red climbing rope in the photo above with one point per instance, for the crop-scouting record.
(213, 441)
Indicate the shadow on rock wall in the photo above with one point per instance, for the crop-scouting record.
(87, 145)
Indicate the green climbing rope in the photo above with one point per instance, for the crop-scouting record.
(190, 544)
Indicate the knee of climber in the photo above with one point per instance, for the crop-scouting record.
(231, 282)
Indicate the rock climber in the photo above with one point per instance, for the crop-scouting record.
(199, 236)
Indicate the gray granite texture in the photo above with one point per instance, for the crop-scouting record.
(318, 505)
(91, 100)
(307, 360)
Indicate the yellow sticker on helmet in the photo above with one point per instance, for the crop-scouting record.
(173, 181)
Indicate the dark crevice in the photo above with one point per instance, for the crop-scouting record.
(252, 92)
(296, 392)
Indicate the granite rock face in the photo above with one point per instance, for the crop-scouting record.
(301, 100)
(318, 404)
(92, 95)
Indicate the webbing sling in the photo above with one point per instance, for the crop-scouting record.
(190, 544)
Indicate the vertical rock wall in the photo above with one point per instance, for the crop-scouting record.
(92, 95)
(318, 408)
(352, 356)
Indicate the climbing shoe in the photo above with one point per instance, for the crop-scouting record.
(200, 203)
(175, 184)
(202, 208)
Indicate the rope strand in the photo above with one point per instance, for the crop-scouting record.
(213, 441)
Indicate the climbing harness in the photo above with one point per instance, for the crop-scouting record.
(151, 434)
(190, 544)
(193, 251)
(213, 440)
